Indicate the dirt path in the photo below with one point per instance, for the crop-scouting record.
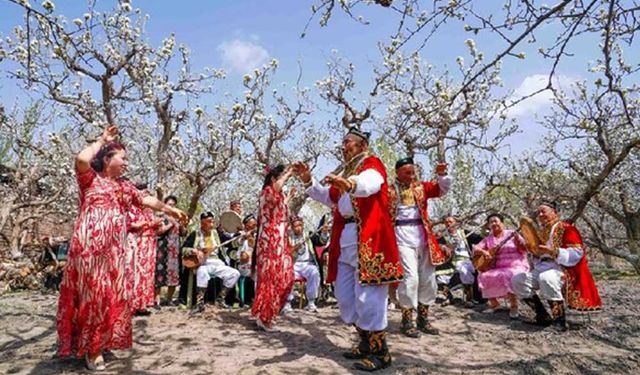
(225, 342)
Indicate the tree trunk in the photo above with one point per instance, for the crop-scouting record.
(608, 261)
(16, 242)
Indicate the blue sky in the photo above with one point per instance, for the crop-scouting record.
(238, 35)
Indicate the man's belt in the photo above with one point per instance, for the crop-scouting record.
(406, 222)
(349, 220)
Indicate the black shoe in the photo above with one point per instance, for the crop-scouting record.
(428, 329)
(144, 312)
(373, 363)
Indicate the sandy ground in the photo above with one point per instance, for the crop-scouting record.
(226, 342)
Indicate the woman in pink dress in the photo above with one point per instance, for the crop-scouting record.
(142, 250)
(94, 312)
(274, 265)
(511, 259)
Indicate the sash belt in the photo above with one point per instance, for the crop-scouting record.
(349, 220)
(404, 222)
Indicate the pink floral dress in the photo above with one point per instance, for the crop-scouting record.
(274, 265)
(511, 259)
(94, 312)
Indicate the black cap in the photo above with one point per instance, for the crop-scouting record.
(550, 203)
(248, 218)
(359, 133)
(206, 215)
(404, 161)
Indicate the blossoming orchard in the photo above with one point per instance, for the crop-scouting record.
(524, 101)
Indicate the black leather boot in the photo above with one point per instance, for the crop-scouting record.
(423, 321)
(200, 304)
(468, 296)
(220, 301)
(408, 325)
(543, 319)
(558, 315)
(379, 357)
(361, 350)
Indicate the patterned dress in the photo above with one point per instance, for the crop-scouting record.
(274, 265)
(511, 260)
(94, 312)
(142, 265)
(167, 257)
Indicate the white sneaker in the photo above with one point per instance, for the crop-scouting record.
(311, 306)
(287, 309)
(262, 326)
(96, 365)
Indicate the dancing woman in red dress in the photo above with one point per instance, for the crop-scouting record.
(274, 265)
(94, 312)
(142, 253)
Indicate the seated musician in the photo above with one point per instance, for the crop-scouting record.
(320, 240)
(561, 259)
(305, 264)
(246, 245)
(459, 243)
(510, 259)
(230, 235)
(213, 261)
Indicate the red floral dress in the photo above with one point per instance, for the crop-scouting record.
(142, 265)
(94, 312)
(274, 265)
(168, 256)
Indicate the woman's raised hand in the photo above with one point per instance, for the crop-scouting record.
(302, 171)
(110, 134)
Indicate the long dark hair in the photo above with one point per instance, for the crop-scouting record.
(106, 151)
(271, 173)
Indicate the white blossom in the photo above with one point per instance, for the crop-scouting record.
(48, 5)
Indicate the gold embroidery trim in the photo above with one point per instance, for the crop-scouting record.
(373, 269)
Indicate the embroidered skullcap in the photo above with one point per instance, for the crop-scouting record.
(550, 204)
(206, 215)
(359, 133)
(404, 161)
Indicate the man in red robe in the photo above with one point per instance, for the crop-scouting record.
(418, 247)
(561, 273)
(363, 254)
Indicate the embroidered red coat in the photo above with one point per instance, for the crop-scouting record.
(581, 290)
(378, 257)
(422, 191)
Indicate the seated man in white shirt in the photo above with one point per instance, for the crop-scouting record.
(206, 244)
(305, 264)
